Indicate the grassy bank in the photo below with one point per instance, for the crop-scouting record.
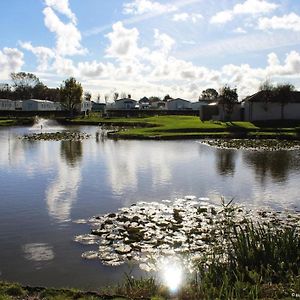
(16, 121)
(178, 127)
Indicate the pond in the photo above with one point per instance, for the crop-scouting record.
(47, 186)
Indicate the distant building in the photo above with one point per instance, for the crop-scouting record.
(18, 105)
(197, 105)
(158, 104)
(179, 104)
(217, 111)
(6, 104)
(259, 108)
(98, 107)
(144, 103)
(125, 103)
(86, 106)
(40, 105)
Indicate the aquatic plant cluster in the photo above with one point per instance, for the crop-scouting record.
(188, 231)
(254, 144)
(56, 136)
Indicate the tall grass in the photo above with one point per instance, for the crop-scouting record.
(255, 260)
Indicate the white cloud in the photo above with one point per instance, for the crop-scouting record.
(139, 7)
(287, 22)
(239, 30)
(43, 54)
(62, 6)
(194, 18)
(11, 60)
(64, 66)
(180, 17)
(163, 41)
(250, 7)
(68, 37)
(123, 42)
(254, 7)
(222, 17)
(91, 69)
(290, 67)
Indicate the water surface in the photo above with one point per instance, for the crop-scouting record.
(47, 185)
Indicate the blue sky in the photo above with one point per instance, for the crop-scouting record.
(152, 47)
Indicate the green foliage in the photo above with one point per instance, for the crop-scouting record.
(229, 98)
(71, 94)
(26, 85)
(138, 288)
(209, 94)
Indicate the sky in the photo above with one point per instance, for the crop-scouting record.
(152, 47)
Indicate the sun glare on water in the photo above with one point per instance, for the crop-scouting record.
(172, 275)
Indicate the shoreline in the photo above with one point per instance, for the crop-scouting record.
(177, 128)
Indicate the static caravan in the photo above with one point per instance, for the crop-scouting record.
(6, 104)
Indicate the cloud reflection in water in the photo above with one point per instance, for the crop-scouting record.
(38, 252)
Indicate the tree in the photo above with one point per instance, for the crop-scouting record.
(106, 98)
(116, 96)
(154, 99)
(98, 98)
(87, 96)
(209, 94)
(52, 94)
(283, 94)
(229, 98)
(71, 94)
(267, 90)
(167, 97)
(5, 91)
(25, 85)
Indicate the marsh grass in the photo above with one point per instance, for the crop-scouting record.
(257, 260)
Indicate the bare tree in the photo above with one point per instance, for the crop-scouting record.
(116, 96)
(87, 96)
(106, 98)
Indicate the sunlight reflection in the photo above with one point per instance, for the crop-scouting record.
(172, 274)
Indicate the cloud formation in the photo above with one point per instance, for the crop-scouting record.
(249, 7)
(183, 17)
(11, 60)
(287, 22)
(139, 7)
(62, 6)
(68, 37)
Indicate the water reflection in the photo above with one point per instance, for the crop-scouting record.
(225, 161)
(71, 151)
(38, 252)
(276, 164)
(62, 192)
(127, 161)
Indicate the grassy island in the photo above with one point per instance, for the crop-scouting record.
(180, 127)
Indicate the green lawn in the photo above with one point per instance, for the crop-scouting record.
(187, 126)
(16, 121)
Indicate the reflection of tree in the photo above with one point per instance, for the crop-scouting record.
(276, 163)
(226, 161)
(71, 151)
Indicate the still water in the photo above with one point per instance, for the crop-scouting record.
(47, 185)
